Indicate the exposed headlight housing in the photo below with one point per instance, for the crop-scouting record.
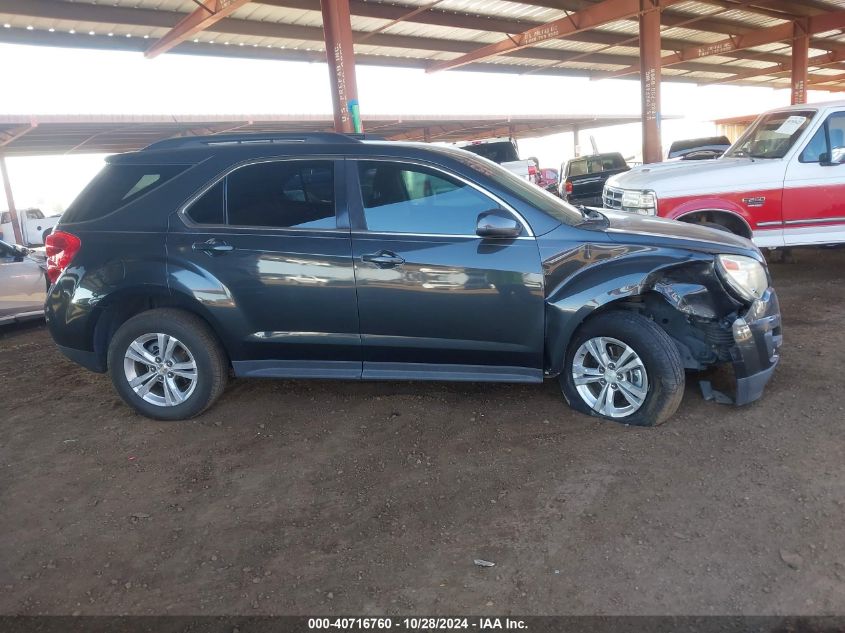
(744, 275)
(642, 202)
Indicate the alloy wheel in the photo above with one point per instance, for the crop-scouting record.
(160, 369)
(610, 377)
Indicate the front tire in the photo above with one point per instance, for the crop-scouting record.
(621, 366)
(167, 364)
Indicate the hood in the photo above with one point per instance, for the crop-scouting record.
(690, 176)
(630, 228)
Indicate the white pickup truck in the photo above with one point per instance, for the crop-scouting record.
(503, 150)
(782, 183)
(34, 226)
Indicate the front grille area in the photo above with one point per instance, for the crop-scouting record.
(612, 198)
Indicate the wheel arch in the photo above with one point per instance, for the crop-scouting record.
(736, 222)
(121, 306)
(570, 306)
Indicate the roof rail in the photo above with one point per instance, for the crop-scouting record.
(185, 142)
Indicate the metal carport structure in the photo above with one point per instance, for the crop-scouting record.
(776, 43)
(39, 135)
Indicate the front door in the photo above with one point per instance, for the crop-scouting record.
(264, 252)
(814, 189)
(435, 300)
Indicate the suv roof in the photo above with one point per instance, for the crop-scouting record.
(282, 138)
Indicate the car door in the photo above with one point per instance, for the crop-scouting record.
(814, 187)
(435, 300)
(22, 284)
(267, 250)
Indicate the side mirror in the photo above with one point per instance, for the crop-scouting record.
(497, 223)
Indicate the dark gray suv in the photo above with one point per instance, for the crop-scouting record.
(328, 256)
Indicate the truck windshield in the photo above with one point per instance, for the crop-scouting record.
(499, 152)
(772, 135)
(595, 164)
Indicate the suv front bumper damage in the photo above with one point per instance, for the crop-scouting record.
(758, 338)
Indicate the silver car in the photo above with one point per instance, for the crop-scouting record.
(23, 283)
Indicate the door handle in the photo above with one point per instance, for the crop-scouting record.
(384, 259)
(212, 247)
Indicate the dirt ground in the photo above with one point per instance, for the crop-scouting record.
(303, 497)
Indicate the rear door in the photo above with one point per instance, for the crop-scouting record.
(814, 187)
(436, 301)
(267, 251)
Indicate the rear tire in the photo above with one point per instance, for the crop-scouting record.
(652, 371)
(44, 236)
(177, 382)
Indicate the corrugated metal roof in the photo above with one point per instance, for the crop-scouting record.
(75, 134)
(444, 30)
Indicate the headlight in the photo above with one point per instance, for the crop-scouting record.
(642, 202)
(745, 276)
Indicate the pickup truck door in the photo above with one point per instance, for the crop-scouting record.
(435, 300)
(814, 187)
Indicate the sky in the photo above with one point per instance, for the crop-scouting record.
(41, 80)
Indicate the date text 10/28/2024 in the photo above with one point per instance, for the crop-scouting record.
(414, 624)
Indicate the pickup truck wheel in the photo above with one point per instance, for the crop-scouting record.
(167, 364)
(621, 366)
(45, 234)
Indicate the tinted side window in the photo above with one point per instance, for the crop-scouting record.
(116, 186)
(283, 194)
(209, 208)
(410, 199)
(834, 132)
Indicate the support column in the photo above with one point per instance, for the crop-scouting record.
(576, 141)
(13, 213)
(337, 30)
(800, 61)
(650, 80)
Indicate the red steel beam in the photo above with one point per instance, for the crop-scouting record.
(337, 27)
(800, 62)
(650, 85)
(206, 15)
(780, 33)
(825, 59)
(823, 79)
(585, 19)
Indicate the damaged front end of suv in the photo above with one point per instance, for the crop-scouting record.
(713, 297)
(705, 312)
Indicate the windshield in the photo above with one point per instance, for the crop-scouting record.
(532, 194)
(596, 164)
(772, 135)
(499, 152)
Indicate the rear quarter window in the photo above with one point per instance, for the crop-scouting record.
(116, 186)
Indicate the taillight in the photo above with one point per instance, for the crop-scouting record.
(61, 248)
(567, 187)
